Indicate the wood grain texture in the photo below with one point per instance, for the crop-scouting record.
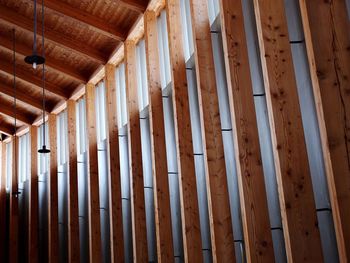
(183, 135)
(222, 242)
(53, 192)
(3, 217)
(326, 26)
(165, 248)
(114, 178)
(73, 204)
(138, 214)
(300, 225)
(13, 219)
(255, 216)
(33, 202)
(93, 182)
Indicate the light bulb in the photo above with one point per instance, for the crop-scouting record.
(34, 65)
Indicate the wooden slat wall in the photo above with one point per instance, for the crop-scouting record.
(327, 35)
(73, 205)
(222, 242)
(159, 161)
(187, 177)
(257, 236)
(93, 182)
(3, 201)
(33, 211)
(53, 191)
(114, 179)
(138, 213)
(302, 237)
(13, 220)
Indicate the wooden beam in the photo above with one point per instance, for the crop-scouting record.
(73, 204)
(253, 199)
(7, 129)
(8, 111)
(93, 182)
(183, 133)
(12, 18)
(93, 22)
(135, 5)
(51, 62)
(222, 241)
(159, 161)
(33, 202)
(3, 196)
(138, 213)
(32, 79)
(326, 27)
(298, 209)
(13, 219)
(115, 195)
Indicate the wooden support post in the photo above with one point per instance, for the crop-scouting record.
(13, 220)
(53, 191)
(93, 182)
(138, 213)
(115, 195)
(183, 133)
(222, 241)
(159, 161)
(255, 216)
(326, 27)
(33, 211)
(297, 202)
(3, 214)
(73, 205)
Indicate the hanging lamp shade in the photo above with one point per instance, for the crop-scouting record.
(35, 59)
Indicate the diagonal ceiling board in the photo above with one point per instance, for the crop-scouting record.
(21, 117)
(135, 5)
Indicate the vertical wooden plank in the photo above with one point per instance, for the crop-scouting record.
(33, 211)
(93, 182)
(222, 242)
(73, 205)
(159, 162)
(3, 214)
(13, 220)
(115, 195)
(53, 191)
(255, 216)
(138, 213)
(183, 133)
(297, 202)
(327, 27)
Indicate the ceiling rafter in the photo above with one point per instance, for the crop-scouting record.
(95, 23)
(21, 117)
(9, 16)
(135, 5)
(33, 80)
(6, 129)
(51, 63)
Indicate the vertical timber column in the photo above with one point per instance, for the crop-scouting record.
(73, 205)
(297, 202)
(327, 27)
(255, 216)
(222, 241)
(3, 200)
(115, 195)
(13, 221)
(93, 183)
(183, 133)
(159, 161)
(33, 218)
(53, 191)
(138, 213)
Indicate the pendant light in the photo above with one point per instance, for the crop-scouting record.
(35, 59)
(43, 149)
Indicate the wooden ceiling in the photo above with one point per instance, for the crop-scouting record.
(80, 37)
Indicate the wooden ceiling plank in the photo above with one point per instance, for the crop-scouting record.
(9, 16)
(8, 131)
(94, 22)
(8, 111)
(135, 5)
(32, 79)
(52, 63)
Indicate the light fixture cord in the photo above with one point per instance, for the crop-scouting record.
(43, 75)
(35, 25)
(15, 95)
